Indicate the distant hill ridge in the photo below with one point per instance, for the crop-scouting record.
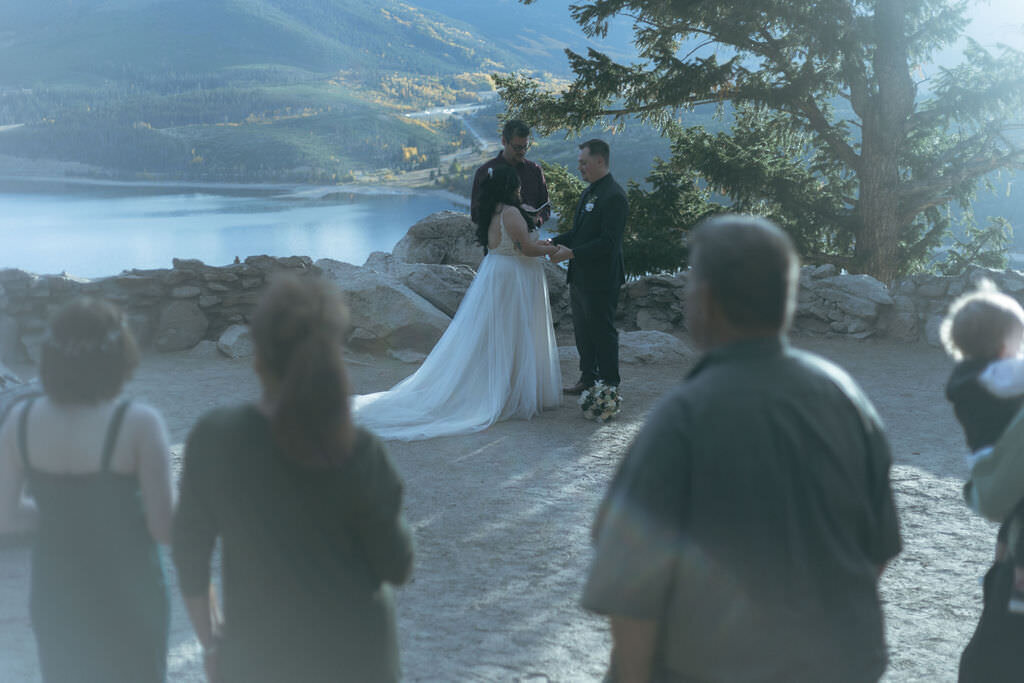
(260, 90)
(106, 39)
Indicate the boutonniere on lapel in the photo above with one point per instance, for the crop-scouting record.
(589, 206)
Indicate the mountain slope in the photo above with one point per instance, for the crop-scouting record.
(112, 40)
(236, 89)
(259, 89)
(540, 31)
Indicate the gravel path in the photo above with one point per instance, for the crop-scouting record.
(502, 518)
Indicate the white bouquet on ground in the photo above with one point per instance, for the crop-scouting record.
(600, 402)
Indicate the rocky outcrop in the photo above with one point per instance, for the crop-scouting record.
(445, 238)
(441, 285)
(384, 312)
(845, 304)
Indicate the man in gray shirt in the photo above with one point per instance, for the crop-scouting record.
(744, 534)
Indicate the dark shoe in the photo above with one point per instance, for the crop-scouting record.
(578, 388)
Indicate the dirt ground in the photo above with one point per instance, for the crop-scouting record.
(501, 520)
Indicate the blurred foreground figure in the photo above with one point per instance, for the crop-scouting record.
(743, 536)
(307, 507)
(97, 466)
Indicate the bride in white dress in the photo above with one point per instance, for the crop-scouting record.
(498, 359)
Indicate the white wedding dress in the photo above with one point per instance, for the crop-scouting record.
(497, 360)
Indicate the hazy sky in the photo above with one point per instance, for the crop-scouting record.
(997, 21)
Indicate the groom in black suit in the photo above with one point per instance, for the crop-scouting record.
(596, 270)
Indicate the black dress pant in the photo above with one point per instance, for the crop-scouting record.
(597, 340)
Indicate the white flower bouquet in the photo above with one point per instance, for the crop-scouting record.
(600, 402)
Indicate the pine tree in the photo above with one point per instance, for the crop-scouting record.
(835, 131)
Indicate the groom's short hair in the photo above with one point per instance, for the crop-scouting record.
(751, 268)
(598, 148)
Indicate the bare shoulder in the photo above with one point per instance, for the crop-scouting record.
(144, 417)
(512, 217)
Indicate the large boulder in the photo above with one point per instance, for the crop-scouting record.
(856, 295)
(444, 286)
(236, 342)
(182, 325)
(656, 319)
(385, 314)
(446, 237)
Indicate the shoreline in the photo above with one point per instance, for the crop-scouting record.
(18, 169)
(295, 190)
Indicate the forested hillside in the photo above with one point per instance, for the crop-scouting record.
(240, 89)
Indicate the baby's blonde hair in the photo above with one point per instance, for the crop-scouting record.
(979, 323)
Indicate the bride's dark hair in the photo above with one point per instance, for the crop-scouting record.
(500, 186)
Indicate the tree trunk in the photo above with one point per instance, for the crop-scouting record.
(876, 251)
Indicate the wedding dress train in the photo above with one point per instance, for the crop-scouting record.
(497, 359)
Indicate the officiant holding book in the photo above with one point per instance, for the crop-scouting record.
(533, 188)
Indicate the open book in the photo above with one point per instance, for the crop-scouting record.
(538, 209)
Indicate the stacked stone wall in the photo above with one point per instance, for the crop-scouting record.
(830, 302)
(402, 301)
(168, 309)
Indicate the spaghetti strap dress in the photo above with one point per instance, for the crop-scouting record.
(98, 602)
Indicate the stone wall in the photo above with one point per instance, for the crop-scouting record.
(402, 301)
(168, 309)
(830, 302)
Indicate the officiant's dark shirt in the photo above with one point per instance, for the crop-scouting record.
(751, 517)
(533, 187)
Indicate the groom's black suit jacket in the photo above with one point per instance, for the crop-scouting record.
(596, 237)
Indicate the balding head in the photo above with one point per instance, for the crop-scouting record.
(750, 270)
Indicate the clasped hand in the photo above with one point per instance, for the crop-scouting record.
(561, 253)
